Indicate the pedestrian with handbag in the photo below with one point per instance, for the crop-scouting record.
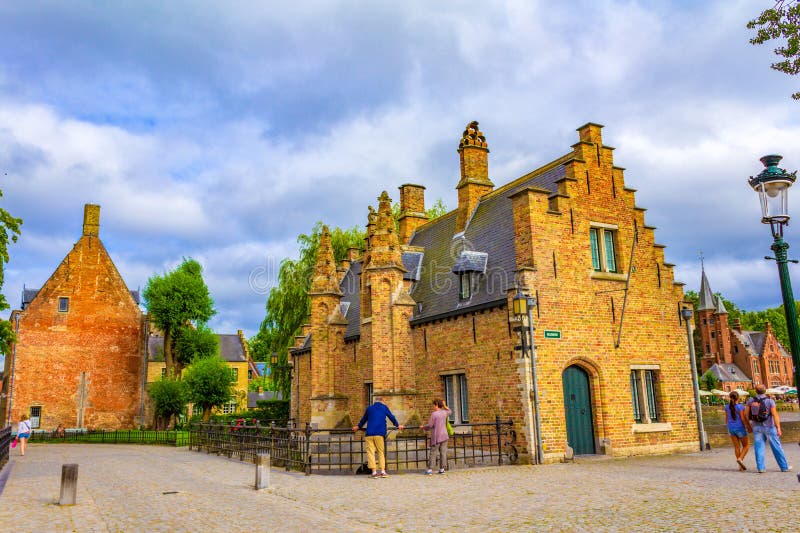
(437, 425)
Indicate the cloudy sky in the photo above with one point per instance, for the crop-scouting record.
(221, 130)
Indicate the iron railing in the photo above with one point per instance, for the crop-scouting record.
(122, 436)
(343, 451)
(5, 445)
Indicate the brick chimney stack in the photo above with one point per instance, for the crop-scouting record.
(412, 210)
(473, 153)
(91, 220)
(737, 325)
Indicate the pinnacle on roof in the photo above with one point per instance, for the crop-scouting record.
(326, 279)
(707, 299)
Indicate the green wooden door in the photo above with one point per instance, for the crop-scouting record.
(578, 410)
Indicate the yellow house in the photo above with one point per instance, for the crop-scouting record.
(232, 349)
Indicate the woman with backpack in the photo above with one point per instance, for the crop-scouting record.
(737, 429)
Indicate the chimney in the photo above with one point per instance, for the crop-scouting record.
(473, 153)
(737, 325)
(412, 210)
(91, 220)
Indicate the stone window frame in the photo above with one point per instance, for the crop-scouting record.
(369, 393)
(455, 389)
(646, 399)
(599, 234)
(63, 304)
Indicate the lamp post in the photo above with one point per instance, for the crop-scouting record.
(686, 313)
(772, 186)
(523, 306)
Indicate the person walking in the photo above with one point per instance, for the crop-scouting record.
(375, 418)
(734, 419)
(23, 433)
(765, 424)
(439, 437)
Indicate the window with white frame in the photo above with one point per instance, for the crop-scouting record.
(603, 242)
(644, 394)
(36, 416)
(456, 395)
(63, 304)
(234, 372)
(229, 408)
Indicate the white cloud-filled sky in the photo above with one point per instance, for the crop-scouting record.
(222, 130)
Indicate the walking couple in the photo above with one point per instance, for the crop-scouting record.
(759, 417)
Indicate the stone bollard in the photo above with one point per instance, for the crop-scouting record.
(69, 484)
(262, 471)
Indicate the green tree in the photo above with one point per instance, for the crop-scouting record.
(708, 381)
(195, 343)
(288, 305)
(781, 22)
(210, 384)
(9, 232)
(169, 399)
(176, 299)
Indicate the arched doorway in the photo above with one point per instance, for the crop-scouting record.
(578, 410)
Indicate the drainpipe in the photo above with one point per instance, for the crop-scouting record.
(536, 420)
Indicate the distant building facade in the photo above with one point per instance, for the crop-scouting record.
(232, 349)
(425, 312)
(738, 358)
(79, 356)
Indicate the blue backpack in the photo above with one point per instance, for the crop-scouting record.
(758, 410)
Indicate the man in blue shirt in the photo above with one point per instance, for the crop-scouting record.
(375, 419)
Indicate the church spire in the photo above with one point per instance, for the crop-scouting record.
(707, 300)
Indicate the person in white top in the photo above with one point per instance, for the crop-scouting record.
(23, 433)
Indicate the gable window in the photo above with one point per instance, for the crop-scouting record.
(234, 372)
(464, 287)
(603, 242)
(63, 304)
(735, 349)
(644, 395)
(36, 416)
(456, 396)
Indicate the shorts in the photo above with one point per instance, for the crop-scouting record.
(741, 433)
(24, 436)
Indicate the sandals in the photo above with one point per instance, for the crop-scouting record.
(741, 465)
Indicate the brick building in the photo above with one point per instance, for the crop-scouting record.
(738, 358)
(79, 357)
(425, 311)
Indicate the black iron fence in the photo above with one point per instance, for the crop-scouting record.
(5, 444)
(122, 436)
(340, 451)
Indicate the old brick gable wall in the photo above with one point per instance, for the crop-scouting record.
(83, 367)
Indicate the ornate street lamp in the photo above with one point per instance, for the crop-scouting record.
(522, 305)
(686, 313)
(772, 186)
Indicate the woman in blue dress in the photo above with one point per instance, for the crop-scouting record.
(737, 428)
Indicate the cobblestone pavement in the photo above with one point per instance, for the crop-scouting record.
(150, 488)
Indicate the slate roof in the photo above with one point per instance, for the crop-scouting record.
(707, 300)
(754, 341)
(490, 231)
(253, 397)
(29, 294)
(471, 262)
(230, 347)
(728, 372)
